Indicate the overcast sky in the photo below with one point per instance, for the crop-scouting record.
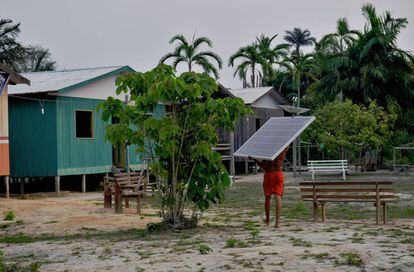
(92, 33)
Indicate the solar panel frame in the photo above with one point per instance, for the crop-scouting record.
(270, 125)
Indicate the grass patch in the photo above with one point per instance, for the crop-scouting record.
(409, 241)
(299, 242)
(204, 249)
(352, 258)
(9, 216)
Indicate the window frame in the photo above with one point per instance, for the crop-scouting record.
(92, 125)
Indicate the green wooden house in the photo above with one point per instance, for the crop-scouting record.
(55, 128)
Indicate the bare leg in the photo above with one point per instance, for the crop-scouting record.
(267, 209)
(278, 210)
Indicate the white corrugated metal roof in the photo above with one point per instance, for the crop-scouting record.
(250, 95)
(56, 80)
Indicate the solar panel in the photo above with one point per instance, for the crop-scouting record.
(273, 137)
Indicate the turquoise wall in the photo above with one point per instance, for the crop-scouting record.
(33, 140)
(46, 145)
(81, 156)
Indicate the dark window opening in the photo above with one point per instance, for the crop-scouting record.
(258, 124)
(84, 124)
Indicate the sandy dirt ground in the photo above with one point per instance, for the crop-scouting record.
(70, 214)
(229, 238)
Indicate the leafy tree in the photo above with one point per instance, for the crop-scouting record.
(37, 59)
(188, 171)
(372, 67)
(11, 51)
(190, 54)
(344, 126)
(298, 38)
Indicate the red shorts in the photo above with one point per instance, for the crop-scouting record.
(273, 183)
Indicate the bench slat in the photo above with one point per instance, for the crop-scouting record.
(316, 183)
(347, 196)
(352, 200)
(346, 190)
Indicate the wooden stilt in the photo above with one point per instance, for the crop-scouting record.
(21, 186)
(83, 183)
(384, 212)
(7, 184)
(57, 185)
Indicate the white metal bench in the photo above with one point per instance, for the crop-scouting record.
(328, 166)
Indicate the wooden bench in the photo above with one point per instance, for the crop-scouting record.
(328, 166)
(123, 186)
(319, 193)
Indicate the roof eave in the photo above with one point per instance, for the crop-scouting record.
(124, 69)
(15, 78)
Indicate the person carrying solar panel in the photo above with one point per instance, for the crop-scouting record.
(273, 183)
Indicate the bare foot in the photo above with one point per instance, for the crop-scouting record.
(267, 222)
(277, 225)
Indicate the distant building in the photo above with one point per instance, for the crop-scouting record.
(7, 77)
(56, 129)
(265, 103)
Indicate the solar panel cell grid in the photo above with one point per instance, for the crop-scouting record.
(273, 137)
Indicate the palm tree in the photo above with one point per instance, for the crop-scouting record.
(250, 59)
(271, 54)
(334, 55)
(190, 54)
(37, 59)
(339, 41)
(11, 51)
(299, 38)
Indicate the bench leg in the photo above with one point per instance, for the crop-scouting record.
(315, 212)
(139, 204)
(323, 212)
(378, 211)
(344, 175)
(313, 175)
(108, 200)
(384, 212)
(126, 202)
(118, 200)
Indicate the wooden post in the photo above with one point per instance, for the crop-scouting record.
(377, 203)
(384, 212)
(118, 198)
(232, 167)
(393, 156)
(138, 204)
(315, 205)
(295, 157)
(83, 183)
(107, 193)
(7, 184)
(323, 212)
(57, 185)
(246, 166)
